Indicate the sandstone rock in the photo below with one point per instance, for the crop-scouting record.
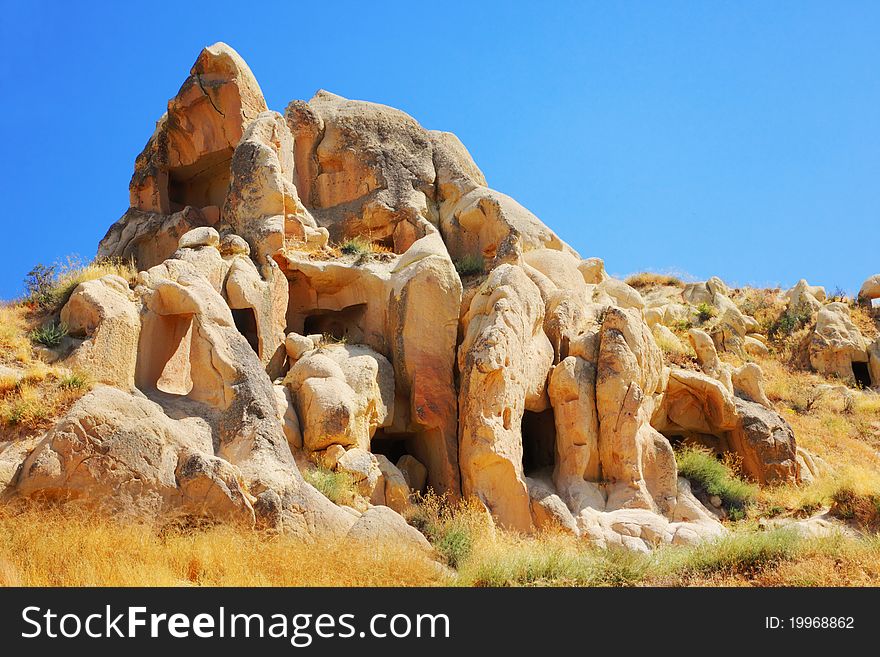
(186, 160)
(104, 314)
(593, 270)
(380, 524)
(121, 452)
(805, 298)
(149, 238)
(836, 343)
(504, 360)
(765, 442)
(623, 295)
(197, 237)
(365, 472)
(415, 474)
(636, 460)
(870, 289)
(396, 487)
(343, 394)
(754, 347)
(548, 509)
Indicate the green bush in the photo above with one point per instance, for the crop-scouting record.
(338, 487)
(789, 322)
(40, 285)
(356, 246)
(705, 312)
(49, 335)
(704, 470)
(452, 526)
(470, 265)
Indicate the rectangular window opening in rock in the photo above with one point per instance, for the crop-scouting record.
(539, 442)
(862, 374)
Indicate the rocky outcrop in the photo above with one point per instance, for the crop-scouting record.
(836, 343)
(299, 301)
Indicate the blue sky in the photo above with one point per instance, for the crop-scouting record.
(736, 139)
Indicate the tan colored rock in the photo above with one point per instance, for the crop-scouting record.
(748, 380)
(636, 460)
(624, 295)
(415, 474)
(593, 270)
(870, 289)
(396, 486)
(695, 402)
(549, 512)
(150, 238)
(765, 442)
(755, 347)
(874, 363)
(343, 394)
(186, 161)
(504, 360)
(122, 453)
(289, 419)
(836, 343)
(382, 525)
(573, 397)
(104, 314)
(805, 298)
(365, 472)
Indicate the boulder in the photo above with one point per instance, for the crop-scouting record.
(870, 289)
(765, 442)
(343, 393)
(836, 343)
(104, 314)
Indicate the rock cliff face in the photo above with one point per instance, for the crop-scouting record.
(341, 286)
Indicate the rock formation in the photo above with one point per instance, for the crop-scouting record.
(299, 302)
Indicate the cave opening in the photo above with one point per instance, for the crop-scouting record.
(392, 446)
(201, 184)
(344, 325)
(246, 322)
(862, 374)
(538, 441)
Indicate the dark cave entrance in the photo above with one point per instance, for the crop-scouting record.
(246, 322)
(862, 374)
(202, 183)
(391, 446)
(342, 324)
(538, 441)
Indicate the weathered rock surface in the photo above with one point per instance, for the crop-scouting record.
(299, 300)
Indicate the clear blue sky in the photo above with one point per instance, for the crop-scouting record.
(732, 138)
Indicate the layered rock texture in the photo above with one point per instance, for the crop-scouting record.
(339, 286)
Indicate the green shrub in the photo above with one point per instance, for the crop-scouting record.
(40, 285)
(338, 487)
(470, 265)
(453, 527)
(356, 246)
(705, 312)
(789, 322)
(49, 335)
(705, 471)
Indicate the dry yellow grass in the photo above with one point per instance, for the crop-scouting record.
(40, 396)
(66, 547)
(15, 347)
(74, 271)
(646, 280)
